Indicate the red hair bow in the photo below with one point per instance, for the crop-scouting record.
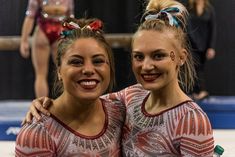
(95, 25)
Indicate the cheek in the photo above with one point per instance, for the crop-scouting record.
(70, 73)
(172, 69)
(135, 66)
(134, 69)
(105, 73)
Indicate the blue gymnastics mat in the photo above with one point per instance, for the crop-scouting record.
(220, 110)
(11, 115)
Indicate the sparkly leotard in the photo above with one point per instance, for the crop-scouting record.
(51, 137)
(183, 130)
(49, 24)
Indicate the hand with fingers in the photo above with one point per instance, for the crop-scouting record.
(25, 49)
(39, 105)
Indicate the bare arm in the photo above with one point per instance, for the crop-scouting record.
(38, 105)
(25, 33)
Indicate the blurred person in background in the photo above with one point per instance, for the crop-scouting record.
(48, 15)
(202, 37)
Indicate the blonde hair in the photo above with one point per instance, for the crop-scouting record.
(158, 5)
(186, 72)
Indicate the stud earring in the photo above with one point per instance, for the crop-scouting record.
(181, 63)
(59, 78)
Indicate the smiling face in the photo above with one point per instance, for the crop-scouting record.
(85, 69)
(156, 59)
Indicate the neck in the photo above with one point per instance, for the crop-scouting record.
(69, 107)
(84, 116)
(165, 98)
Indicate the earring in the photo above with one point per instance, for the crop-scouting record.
(59, 78)
(181, 63)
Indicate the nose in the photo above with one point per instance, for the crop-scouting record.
(148, 64)
(88, 69)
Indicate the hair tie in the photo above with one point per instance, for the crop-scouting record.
(68, 28)
(166, 13)
(70, 25)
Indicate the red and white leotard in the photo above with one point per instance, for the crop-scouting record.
(51, 137)
(183, 130)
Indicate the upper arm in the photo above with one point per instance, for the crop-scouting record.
(196, 136)
(34, 140)
(71, 8)
(213, 28)
(32, 8)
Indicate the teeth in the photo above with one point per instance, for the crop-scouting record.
(88, 83)
(149, 76)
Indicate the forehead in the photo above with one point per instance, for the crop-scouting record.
(86, 47)
(149, 40)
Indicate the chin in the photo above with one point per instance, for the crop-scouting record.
(88, 95)
(89, 98)
(150, 86)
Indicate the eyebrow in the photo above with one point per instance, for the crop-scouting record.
(98, 55)
(154, 51)
(136, 52)
(94, 56)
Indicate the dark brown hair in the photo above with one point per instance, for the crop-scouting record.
(84, 31)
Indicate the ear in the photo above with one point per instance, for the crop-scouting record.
(182, 57)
